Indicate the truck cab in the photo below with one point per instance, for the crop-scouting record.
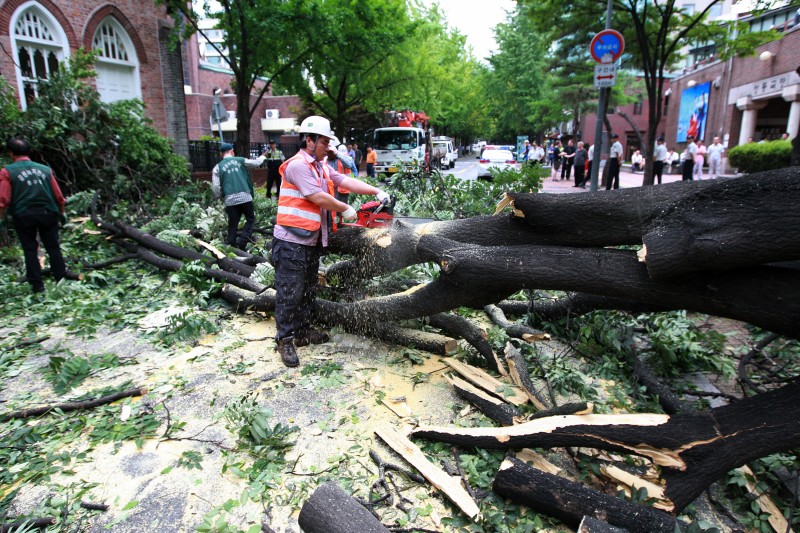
(446, 145)
(400, 148)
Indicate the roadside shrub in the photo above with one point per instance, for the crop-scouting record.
(755, 157)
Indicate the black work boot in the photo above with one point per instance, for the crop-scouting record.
(285, 347)
(311, 336)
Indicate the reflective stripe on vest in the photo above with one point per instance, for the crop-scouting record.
(342, 170)
(294, 210)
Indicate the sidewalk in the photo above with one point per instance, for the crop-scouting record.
(626, 179)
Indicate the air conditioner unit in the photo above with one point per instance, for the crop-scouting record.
(273, 113)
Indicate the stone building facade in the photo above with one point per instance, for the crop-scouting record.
(135, 60)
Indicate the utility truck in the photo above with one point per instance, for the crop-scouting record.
(406, 144)
(451, 152)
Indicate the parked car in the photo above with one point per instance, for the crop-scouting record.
(499, 159)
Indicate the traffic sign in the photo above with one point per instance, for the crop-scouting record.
(605, 75)
(607, 46)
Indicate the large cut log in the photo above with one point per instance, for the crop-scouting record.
(570, 501)
(693, 449)
(331, 510)
(618, 217)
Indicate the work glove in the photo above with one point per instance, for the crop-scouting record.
(383, 197)
(350, 214)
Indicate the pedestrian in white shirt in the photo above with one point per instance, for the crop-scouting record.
(660, 158)
(688, 158)
(715, 152)
(614, 157)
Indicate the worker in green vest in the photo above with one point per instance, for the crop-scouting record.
(29, 193)
(231, 180)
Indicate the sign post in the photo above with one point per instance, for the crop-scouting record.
(606, 47)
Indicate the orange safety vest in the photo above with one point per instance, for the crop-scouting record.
(293, 209)
(343, 170)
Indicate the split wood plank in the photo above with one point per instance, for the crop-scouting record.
(776, 518)
(512, 394)
(518, 370)
(450, 486)
(635, 483)
(400, 407)
(530, 456)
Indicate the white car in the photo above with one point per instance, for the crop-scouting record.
(499, 159)
(450, 153)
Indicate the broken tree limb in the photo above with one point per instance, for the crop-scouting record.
(635, 483)
(331, 510)
(694, 449)
(451, 487)
(504, 391)
(497, 410)
(575, 408)
(459, 326)
(26, 525)
(518, 370)
(513, 329)
(73, 406)
(656, 388)
(776, 518)
(570, 501)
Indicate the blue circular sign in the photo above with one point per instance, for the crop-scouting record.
(607, 46)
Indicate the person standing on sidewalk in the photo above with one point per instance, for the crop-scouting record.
(274, 159)
(688, 158)
(580, 165)
(614, 158)
(699, 160)
(231, 180)
(305, 217)
(569, 159)
(30, 193)
(660, 158)
(715, 152)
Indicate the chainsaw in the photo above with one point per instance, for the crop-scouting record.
(374, 214)
(377, 214)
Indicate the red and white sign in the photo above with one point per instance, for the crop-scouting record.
(607, 46)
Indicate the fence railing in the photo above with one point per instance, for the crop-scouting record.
(204, 155)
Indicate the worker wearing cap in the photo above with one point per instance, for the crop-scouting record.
(231, 180)
(305, 210)
(688, 158)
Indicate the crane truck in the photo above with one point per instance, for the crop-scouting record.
(406, 144)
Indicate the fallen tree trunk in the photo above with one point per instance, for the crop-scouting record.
(570, 501)
(693, 449)
(332, 510)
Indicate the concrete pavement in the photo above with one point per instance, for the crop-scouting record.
(626, 179)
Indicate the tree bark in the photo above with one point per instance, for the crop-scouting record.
(73, 406)
(694, 449)
(331, 510)
(570, 501)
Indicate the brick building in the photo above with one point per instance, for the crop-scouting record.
(135, 59)
(274, 118)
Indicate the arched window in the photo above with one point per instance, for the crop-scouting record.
(117, 65)
(39, 44)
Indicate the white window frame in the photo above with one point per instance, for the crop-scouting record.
(130, 50)
(60, 44)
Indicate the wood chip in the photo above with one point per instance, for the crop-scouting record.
(482, 379)
(530, 456)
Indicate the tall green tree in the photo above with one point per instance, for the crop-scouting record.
(264, 41)
(516, 85)
(361, 58)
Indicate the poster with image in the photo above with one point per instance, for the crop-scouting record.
(694, 111)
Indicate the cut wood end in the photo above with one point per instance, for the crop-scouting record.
(505, 465)
(642, 254)
(533, 337)
(384, 241)
(503, 203)
(450, 347)
(518, 213)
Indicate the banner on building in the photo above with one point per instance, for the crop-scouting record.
(694, 111)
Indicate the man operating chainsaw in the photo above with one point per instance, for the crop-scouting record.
(306, 208)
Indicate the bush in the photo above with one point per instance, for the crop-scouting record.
(755, 157)
(90, 144)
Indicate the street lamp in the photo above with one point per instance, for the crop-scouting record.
(766, 55)
(691, 83)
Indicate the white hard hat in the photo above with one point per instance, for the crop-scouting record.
(316, 125)
(342, 149)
